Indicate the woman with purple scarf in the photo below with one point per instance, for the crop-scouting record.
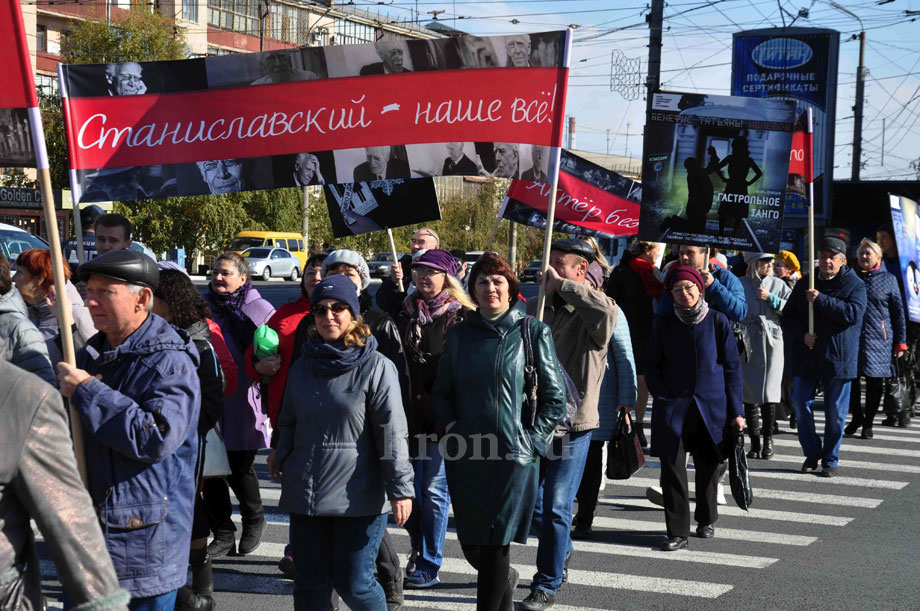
(437, 303)
(239, 309)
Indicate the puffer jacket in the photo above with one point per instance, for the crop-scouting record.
(39, 481)
(21, 343)
(480, 392)
(342, 441)
(619, 385)
(883, 324)
(838, 323)
(140, 424)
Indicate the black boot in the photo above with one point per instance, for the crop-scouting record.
(752, 415)
(769, 419)
(202, 578)
(186, 600)
(393, 590)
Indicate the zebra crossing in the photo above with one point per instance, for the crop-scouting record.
(620, 567)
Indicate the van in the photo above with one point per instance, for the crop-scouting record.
(279, 239)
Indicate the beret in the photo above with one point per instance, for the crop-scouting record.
(576, 247)
(438, 259)
(124, 265)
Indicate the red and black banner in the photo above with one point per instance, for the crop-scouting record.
(17, 95)
(316, 115)
(590, 200)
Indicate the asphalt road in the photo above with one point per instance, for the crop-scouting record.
(845, 543)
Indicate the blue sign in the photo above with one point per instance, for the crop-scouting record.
(906, 224)
(798, 64)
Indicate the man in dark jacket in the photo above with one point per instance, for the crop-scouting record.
(136, 390)
(829, 355)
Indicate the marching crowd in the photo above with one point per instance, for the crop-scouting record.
(449, 394)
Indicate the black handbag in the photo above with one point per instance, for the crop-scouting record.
(897, 395)
(624, 452)
(743, 340)
(738, 476)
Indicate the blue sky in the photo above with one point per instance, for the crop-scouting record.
(701, 39)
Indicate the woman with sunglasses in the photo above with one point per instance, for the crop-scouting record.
(693, 372)
(342, 454)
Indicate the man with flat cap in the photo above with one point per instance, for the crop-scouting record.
(136, 390)
(829, 355)
(582, 320)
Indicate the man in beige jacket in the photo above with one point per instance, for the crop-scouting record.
(582, 320)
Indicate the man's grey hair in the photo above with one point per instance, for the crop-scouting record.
(134, 289)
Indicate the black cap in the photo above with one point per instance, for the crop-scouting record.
(125, 265)
(833, 244)
(89, 215)
(575, 247)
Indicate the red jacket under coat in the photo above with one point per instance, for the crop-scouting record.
(223, 357)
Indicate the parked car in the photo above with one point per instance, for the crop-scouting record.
(471, 257)
(531, 271)
(381, 264)
(266, 263)
(14, 240)
(142, 248)
(293, 242)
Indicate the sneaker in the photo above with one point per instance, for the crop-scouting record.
(653, 494)
(286, 566)
(720, 495)
(537, 601)
(419, 580)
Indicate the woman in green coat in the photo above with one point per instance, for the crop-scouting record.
(491, 456)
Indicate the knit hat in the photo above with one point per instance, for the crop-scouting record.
(788, 258)
(340, 288)
(750, 257)
(684, 272)
(349, 257)
(438, 259)
(595, 275)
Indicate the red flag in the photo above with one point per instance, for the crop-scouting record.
(801, 155)
(18, 90)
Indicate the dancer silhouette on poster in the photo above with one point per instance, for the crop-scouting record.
(699, 190)
(739, 165)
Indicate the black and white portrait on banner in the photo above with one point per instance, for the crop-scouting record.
(372, 163)
(127, 184)
(135, 78)
(282, 66)
(304, 169)
(16, 148)
(362, 207)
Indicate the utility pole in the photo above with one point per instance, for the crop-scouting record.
(570, 141)
(858, 108)
(627, 140)
(263, 10)
(655, 19)
(883, 141)
(608, 140)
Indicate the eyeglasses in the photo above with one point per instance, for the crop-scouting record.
(677, 290)
(424, 271)
(337, 308)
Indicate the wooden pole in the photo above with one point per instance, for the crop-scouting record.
(62, 303)
(811, 227)
(492, 233)
(399, 283)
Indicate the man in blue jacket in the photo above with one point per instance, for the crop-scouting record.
(136, 390)
(724, 292)
(829, 355)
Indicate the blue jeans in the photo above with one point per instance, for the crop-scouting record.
(559, 480)
(427, 524)
(161, 602)
(836, 406)
(340, 553)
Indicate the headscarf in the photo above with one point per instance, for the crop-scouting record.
(229, 306)
(422, 312)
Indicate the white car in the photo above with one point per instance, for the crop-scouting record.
(14, 240)
(267, 262)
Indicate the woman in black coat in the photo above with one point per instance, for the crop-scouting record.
(635, 284)
(694, 374)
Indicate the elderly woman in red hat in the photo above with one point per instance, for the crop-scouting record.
(693, 372)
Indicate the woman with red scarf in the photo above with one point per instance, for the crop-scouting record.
(635, 284)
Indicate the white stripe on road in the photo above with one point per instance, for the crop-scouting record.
(753, 513)
(853, 448)
(751, 536)
(859, 464)
(828, 481)
(433, 599)
(767, 493)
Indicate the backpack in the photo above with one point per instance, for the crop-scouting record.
(572, 396)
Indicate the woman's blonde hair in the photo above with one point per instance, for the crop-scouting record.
(639, 247)
(873, 246)
(598, 255)
(356, 334)
(455, 290)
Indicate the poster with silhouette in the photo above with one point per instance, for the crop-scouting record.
(715, 170)
(905, 220)
(363, 207)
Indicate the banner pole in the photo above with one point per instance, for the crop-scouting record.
(492, 233)
(399, 283)
(811, 227)
(554, 173)
(62, 303)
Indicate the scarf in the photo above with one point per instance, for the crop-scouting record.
(422, 312)
(650, 282)
(229, 306)
(694, 315)
(335, 359)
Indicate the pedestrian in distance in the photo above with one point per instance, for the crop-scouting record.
(39, 482)
(21, 343)
(766, 297)
(342, 454)
(238, 309)
(786, 267)
(478, 407)
(883, 338)
(135, 388)
(828, 356)
(694, 375)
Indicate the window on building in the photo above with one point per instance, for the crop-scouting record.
(217, 52)
(351, 32)
(41, 38)
(190, 10)
(46, 85)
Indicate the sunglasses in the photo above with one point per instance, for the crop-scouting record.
(337, 308)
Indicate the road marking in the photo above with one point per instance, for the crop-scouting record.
(432, 599)
(736, 534)
(753, 513)
(853, 448)
(861, 464)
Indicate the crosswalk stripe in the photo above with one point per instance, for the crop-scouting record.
(752, 513)
(751, 536)
(860, 464)
(780, 495)
(450, 601)
(878, 436)
(853, 448)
